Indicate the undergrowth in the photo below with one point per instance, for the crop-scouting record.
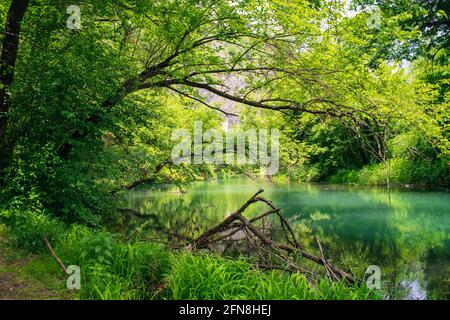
(112, 269)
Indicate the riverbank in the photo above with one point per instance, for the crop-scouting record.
(397, 172)
(111, 269)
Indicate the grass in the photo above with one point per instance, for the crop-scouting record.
(151, 271)
(29, 276)
(209, 277)
(134, 272)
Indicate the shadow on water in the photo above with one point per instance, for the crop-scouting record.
(405, 232)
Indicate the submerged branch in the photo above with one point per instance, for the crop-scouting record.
(236, 221)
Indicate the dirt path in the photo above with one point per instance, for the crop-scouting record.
(28, 277)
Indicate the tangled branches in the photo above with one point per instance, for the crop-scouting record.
(257, 237)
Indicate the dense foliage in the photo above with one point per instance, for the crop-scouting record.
(91, 110)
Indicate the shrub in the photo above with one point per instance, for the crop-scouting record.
(114, 270)
(404, 171)
(27, 229)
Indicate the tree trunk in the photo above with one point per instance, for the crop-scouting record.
(8, 60)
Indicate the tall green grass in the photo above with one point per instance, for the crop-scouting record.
(113, 270)
(207, 277)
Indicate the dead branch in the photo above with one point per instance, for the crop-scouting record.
(54, 255)
(237, 222)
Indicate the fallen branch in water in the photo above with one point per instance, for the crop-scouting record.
(235, 222)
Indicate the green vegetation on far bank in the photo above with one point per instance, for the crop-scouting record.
(396, 172)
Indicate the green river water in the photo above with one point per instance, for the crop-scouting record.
(405, 232)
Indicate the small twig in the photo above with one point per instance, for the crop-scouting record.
(328, 269)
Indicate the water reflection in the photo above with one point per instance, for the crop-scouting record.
(405, 232)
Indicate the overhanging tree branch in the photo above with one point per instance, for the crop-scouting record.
(202, 102)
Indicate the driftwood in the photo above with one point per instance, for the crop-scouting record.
(263, 243)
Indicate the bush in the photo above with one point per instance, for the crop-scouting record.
(111, 269)
(345, 176)
(27, 229)
(403, 171)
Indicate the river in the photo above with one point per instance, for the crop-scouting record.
(405, 232)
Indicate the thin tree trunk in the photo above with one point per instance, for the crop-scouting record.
(8, 58)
